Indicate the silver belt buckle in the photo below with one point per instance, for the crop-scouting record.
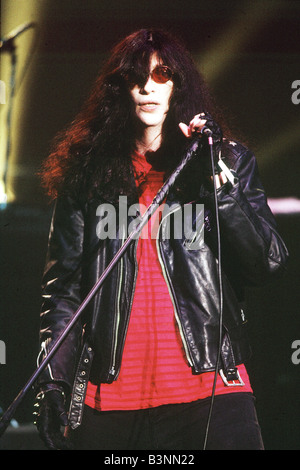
(232, 383)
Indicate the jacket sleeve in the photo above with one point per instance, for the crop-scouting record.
(248, 224)
(61, 291)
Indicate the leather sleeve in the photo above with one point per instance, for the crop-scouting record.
(61, 290)
(248, 224)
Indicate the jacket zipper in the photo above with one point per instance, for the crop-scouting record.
(130, 306)
(168, 282)
(112, 368)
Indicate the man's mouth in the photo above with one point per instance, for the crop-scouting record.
(148, 106)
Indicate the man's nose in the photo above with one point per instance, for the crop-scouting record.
(149, 86)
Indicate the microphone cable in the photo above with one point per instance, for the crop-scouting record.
(210, 142)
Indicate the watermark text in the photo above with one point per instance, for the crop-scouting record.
(2, 352)
(176, 222)
(296, 354)
(296, 94)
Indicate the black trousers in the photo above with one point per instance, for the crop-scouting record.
(234, 426)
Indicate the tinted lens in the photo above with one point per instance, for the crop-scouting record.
(161, 74)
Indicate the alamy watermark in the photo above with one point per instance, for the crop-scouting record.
(179, 222)
(296, 94)
(296, 354)
(2, 352)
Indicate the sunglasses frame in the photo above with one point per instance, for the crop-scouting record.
(161, 67)
(135, 81)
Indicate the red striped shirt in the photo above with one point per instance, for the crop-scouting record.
(154, 370)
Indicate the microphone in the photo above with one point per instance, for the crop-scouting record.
(7, 42)
(206, 131)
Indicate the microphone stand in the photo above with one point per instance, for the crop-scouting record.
(12, 50)
(191, 151)
(8, 45)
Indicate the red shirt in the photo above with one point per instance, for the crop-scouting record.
(154, 370)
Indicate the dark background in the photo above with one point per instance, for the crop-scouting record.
(249, 52)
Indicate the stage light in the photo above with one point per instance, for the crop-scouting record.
(280, 144)
(250, 19)
(17, 18)
(245, 25)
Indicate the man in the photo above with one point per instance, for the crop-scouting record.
(138, 370)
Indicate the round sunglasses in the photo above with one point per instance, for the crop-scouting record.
(160, 74)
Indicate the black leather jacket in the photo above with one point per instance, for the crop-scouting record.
(252, 253)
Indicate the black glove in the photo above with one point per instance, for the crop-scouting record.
(50, 416)
(212, 126)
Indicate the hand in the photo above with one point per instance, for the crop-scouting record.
(51, 415)
(198, 122)
(195, 126)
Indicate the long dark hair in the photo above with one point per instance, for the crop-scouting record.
(93, 155)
